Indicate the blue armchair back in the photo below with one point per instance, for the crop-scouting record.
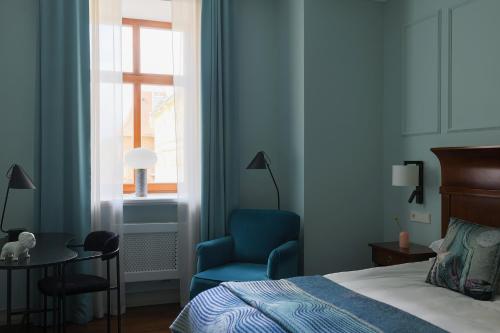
(257, 232)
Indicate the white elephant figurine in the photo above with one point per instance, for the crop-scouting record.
(20, 248)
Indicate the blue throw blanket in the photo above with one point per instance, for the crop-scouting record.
(302, 304)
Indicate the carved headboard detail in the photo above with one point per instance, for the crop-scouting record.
(470, 184)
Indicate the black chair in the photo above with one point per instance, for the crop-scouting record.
(105, 246)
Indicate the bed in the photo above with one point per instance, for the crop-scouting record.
(383, 299)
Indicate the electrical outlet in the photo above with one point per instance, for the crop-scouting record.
(422, 217)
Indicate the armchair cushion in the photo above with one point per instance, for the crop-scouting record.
(214, 253)
(229, 272)
(235, 272)
(257, 232)
(283, 261)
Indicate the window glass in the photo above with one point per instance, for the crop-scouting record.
(158, 131)
(128, 129)
(127, 50)
(156, 51)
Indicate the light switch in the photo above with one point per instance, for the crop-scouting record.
(422, 217)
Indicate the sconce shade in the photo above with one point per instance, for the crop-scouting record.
(140, 158)
(405, 175)
(258, 162)
(18, 179)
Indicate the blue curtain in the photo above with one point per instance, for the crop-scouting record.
(65, 126)
(219, 154)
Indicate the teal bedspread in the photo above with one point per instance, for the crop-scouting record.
(302, 304)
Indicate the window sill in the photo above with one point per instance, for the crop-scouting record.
(152, 198)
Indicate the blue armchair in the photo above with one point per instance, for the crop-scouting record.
(262, 245)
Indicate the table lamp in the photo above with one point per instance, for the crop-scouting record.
(261, 161)
(19, 180)
(141, 159)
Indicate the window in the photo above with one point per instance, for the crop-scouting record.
(148, 100)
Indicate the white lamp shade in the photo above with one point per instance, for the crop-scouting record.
(405, 175)
(140, 158)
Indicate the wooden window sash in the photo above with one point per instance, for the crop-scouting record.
(153, 188)
(136, 78)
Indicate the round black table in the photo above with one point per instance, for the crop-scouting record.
(51, 250)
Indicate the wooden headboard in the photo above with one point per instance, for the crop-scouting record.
(470, 184)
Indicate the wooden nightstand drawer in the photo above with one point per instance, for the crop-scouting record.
(383, 257)
(387, 254)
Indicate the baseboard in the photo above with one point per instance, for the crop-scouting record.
(169, 296)
(152, 298)
(15, 319)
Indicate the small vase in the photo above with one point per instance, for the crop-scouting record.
(404, 240)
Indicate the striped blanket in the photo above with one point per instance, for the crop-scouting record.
(302, 304)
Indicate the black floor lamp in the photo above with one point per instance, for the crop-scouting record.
(262, 161)
(19, 180)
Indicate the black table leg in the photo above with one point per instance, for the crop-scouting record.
(45, 304)
(9, 297)
(54, 313)
(27, 300)
(118, 292)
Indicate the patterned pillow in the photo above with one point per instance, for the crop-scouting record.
(468, 260)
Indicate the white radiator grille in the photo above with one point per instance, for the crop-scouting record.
(151, 251)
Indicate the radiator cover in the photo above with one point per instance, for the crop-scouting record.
(150, 251)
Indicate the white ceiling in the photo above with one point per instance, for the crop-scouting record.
(155, 10)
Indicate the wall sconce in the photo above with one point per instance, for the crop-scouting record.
(261, 161)
(410, 174)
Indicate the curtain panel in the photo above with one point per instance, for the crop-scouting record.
(220, 161)
(186, 45)
(106, 134)
(65, 126)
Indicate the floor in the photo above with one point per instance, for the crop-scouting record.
(147, 319)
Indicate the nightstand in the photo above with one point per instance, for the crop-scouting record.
(389, 253)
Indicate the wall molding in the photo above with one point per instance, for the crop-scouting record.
(450, 128)
(437, 130)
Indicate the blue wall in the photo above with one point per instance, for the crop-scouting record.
(19, 96)
(343, 131)
(267, 56)
(291, 94)
(18, 113)
(290, 71)
(437, 93)
(255, 96)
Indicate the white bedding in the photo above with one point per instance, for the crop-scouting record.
(404, 287)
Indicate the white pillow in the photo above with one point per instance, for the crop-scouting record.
(436, 245)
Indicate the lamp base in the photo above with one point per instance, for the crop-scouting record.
(13, 234)
(141, 183)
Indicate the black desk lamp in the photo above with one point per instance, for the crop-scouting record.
(18, 179)
(261, 162)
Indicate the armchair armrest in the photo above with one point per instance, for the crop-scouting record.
(214, 253)
(283, 261)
